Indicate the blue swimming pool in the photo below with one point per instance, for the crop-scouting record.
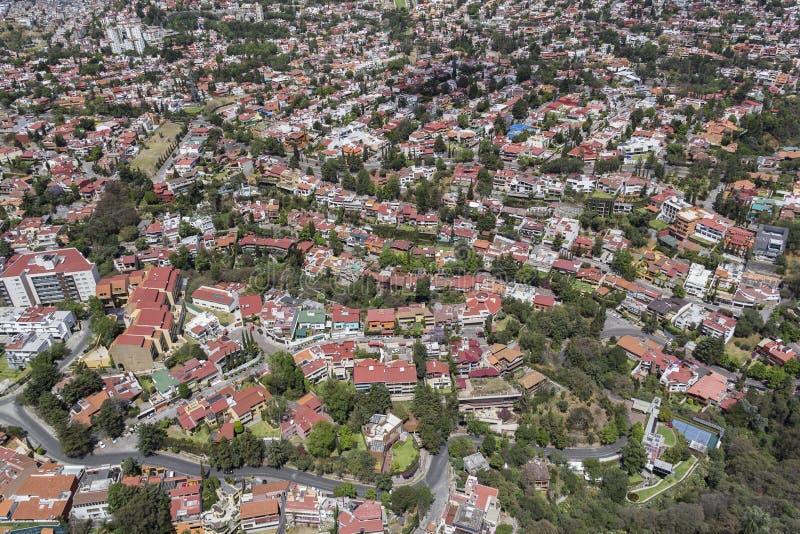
(697, 433)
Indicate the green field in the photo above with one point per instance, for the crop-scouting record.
(262, 429)
(7, 373)
(201, 435)
(668, 433)
(401, 4)
(403, 455)
(157, 145)
(666, 483)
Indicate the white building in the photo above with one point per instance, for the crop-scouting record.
(91, 499)
(671, 207)
(697, 280)
(215, 299)
(39, 319)
(20, 348)
(48, 277)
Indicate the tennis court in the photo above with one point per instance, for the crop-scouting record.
(696, 433)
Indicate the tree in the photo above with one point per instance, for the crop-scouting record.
(150, 438)
(345, 438)
(623, 264)
(250, 449)
(110, 419)
(335, 243)
(749, 322)
(438, 145)
(345, 490)
(183, 390)
(285, 376)
(665, 414)
(321, 442)
(609, 433)
(130, 467)
(634, 456)
(338, 397)
(278, 452)
(709, 350)
(139, 509)
(76, 440)
(615, 484)
(434, 424)
(422, 292)
(678, 291)
(85, 383)
(420, 354)
(408, 498)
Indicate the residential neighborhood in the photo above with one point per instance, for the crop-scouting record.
(400, 267)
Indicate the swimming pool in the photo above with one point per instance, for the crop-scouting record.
(697, 433)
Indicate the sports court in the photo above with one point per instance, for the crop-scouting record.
(697, 433)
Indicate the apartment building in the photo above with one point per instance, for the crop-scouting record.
(48, 277)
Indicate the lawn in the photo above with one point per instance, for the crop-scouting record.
(8, 373)
(401, 4)
(402, 408)
(668, 433)
(666, 483)
(635, 479)
(262, 429)
(737, 354)
(202, 435)
(157, 145)
(193, 110)
(361, 443)
(147, 384)
(658, 225)
(403, 455)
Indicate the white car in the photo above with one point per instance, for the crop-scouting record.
(101, 445)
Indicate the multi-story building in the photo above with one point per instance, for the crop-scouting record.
(38, 319)
(400, 377)
(48, 277)
(90, 501)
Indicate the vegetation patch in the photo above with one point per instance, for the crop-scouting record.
(158, 147)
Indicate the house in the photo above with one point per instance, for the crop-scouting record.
(310, 322)
(770, 242)
(43, 496)
(409, 316)
(380, 433)
(90, 501)
(302, 419)
(248, 403)
(366, 518)
(711, 388)
(344, 320)
(437, 374)
(380, 320)
(215, 299)
(250, 306)
(774, 351)
(259, 515)
(475, 511)
(504, 358)
(536, 475)
(475, 462)
(398, 376)
(532, 381)
(719, 325)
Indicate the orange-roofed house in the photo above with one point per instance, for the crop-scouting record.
(249, 402)
(367, 518)
(380, 320)
(259, 515)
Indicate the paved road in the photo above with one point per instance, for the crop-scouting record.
(39, 435)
